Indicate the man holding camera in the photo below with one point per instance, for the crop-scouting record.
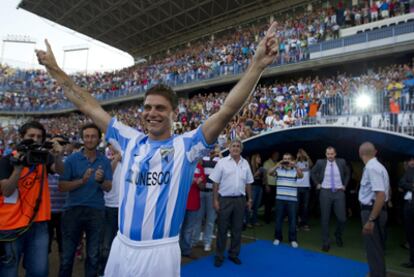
(25, 202)
(286, 173)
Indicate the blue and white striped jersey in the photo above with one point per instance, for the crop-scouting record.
(155, 180)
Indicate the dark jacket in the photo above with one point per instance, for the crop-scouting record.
(407, 180)
(318, 171)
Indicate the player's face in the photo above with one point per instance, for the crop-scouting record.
(158, 117)
(90, 138)
(35, 134)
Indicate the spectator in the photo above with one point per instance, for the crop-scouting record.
(286, 173)
(87, 175)
(232, 178)
(270, 186)
(57, 201)
(304, 162)
(111, 199)
(257, 188)
(288, 119)
(394, 112)
(192, 212)
(207, 212)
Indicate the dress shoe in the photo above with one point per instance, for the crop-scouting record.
(218, 262)
(339, 242)
(235, 260)
(325, 248)
(408, 265)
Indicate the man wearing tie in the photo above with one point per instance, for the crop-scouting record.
(331, 175)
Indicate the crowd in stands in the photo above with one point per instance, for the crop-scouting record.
(228, 53)
(275, 105)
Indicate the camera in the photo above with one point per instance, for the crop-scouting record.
(32, 153)
(285, 163)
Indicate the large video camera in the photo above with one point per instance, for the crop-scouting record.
(32, 153)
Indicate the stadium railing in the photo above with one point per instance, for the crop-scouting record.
(387, 32)
(376, 121)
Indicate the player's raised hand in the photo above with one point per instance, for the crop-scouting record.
(47, 58)
(268, 48)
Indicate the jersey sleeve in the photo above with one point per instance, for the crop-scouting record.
(217, 173)
(119, 134)
(196, 145)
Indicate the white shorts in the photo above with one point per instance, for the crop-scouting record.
(154, 258)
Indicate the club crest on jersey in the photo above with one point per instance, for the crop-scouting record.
(167, 153)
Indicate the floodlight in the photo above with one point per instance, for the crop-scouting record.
(363, 101)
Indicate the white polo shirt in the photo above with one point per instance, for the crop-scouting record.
(232, 177)
(374, 178)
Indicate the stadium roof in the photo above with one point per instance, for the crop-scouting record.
(144, 27)
(346, 140)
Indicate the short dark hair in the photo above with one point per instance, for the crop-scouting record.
(165, 91)
(330, 148)
(32, 125)
(90, 126)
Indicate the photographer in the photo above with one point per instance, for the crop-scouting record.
(286, 173)
(25, 201)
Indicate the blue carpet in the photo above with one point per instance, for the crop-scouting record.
(262, 258)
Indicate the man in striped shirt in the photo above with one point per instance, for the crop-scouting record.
(157, 168)
(286, 173)
(207, 212)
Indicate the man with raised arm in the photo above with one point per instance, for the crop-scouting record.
(157, 167)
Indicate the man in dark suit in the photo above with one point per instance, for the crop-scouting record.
(331, 175)
(407, 184)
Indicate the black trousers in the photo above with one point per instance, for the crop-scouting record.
(230, 216)
(55, 226)
(269, 202)
(409, 225)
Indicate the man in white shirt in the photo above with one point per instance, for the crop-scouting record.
(373, 195)
(232, 177)
(289, 119)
